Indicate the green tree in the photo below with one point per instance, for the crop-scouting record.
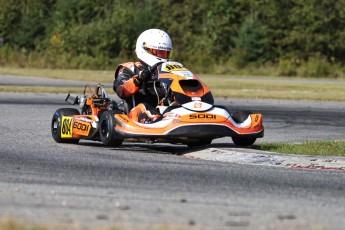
(23, 23)
(101, 33)
(251, 43)
(318, 28)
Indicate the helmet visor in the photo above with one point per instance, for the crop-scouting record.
(160, 53)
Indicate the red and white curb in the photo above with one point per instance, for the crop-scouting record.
(256, 157)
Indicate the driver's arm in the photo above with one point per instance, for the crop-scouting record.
(125, 85)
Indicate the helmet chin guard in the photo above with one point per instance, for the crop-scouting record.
(153, 46)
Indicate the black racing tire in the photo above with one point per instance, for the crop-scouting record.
(107, 129)
(202, 142)
(244, 141)
(56, 124)
(239, 117)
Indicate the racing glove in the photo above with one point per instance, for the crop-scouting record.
(143, 76)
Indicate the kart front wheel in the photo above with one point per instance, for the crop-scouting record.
(107, 129)
(198, 143)
(56, 125)
(240, 117)
(243, 141)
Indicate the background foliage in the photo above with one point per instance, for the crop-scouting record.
(287, 37)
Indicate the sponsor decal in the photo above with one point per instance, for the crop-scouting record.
(197, 105)
(86, 119)
(202, 116)
(123, 118)
(157, 47)
(176, 118)
(178, 69)
(66, 127)
(82, 128)
(173, 67)
(164, 48)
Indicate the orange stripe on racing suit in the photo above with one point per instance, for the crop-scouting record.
(127, 89)
(124, 82)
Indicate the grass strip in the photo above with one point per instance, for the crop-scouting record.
(318, 148)
(221, 86)
(231, 89)
(66, 74)
(276, 90)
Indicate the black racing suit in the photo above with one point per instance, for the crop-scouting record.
(126, 88)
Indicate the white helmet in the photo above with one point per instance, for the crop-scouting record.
(153, 46)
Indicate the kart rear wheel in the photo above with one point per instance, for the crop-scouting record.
(56, 125)
(239, 117)
(107, 129)
(198, 143)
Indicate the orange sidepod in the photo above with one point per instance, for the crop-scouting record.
(128, 126)
(125, 119)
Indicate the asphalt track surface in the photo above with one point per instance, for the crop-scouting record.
(139, 185)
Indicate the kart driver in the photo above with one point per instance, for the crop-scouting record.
(153, 46)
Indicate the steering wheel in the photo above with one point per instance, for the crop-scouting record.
(148, 82)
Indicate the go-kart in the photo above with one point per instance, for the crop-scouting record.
(187, 115)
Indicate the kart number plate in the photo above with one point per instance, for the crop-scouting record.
(66, 127)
